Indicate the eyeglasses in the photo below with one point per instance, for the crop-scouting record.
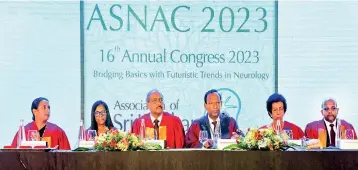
(100, 113)
(332, 108)
(157, 100)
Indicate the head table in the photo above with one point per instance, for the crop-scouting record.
(181, 159)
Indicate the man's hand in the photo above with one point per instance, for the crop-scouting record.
(208, 143)
(234, 135)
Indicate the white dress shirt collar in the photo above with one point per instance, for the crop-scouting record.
(212, 125)
(329, 127)
(328, 124)
(159, 119)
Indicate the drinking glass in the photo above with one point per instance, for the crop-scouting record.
(91, 135)
(203, 136)
(289, 134)
(349, 134)
(216, 136)
(304, 142)
(33, 135)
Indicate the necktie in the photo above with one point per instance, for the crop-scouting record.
(156, 129)
(333, 135)
(214, 123)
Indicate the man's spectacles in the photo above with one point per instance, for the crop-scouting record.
(327, 109)
(100, 113)
(157, 100)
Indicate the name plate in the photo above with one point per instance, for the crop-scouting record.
(33, 143)
(86, 144)
(157, 142)
(347, 144)
(222, 143)
(296, 142)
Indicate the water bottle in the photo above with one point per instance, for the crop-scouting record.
(142, 130)
(218, 129)
(21, 134)
(217, 134)
(278, 127)
(82, 135)
(18, 141)
(338, 132)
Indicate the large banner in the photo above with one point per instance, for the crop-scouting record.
(40, 55)
(183, 49)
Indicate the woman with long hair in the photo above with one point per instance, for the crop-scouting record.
(100, 117)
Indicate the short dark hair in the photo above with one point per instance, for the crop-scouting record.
(108, 122)
(35, 105)
(276, 97)
(210, 92)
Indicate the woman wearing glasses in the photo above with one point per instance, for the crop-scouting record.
(100, 118)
